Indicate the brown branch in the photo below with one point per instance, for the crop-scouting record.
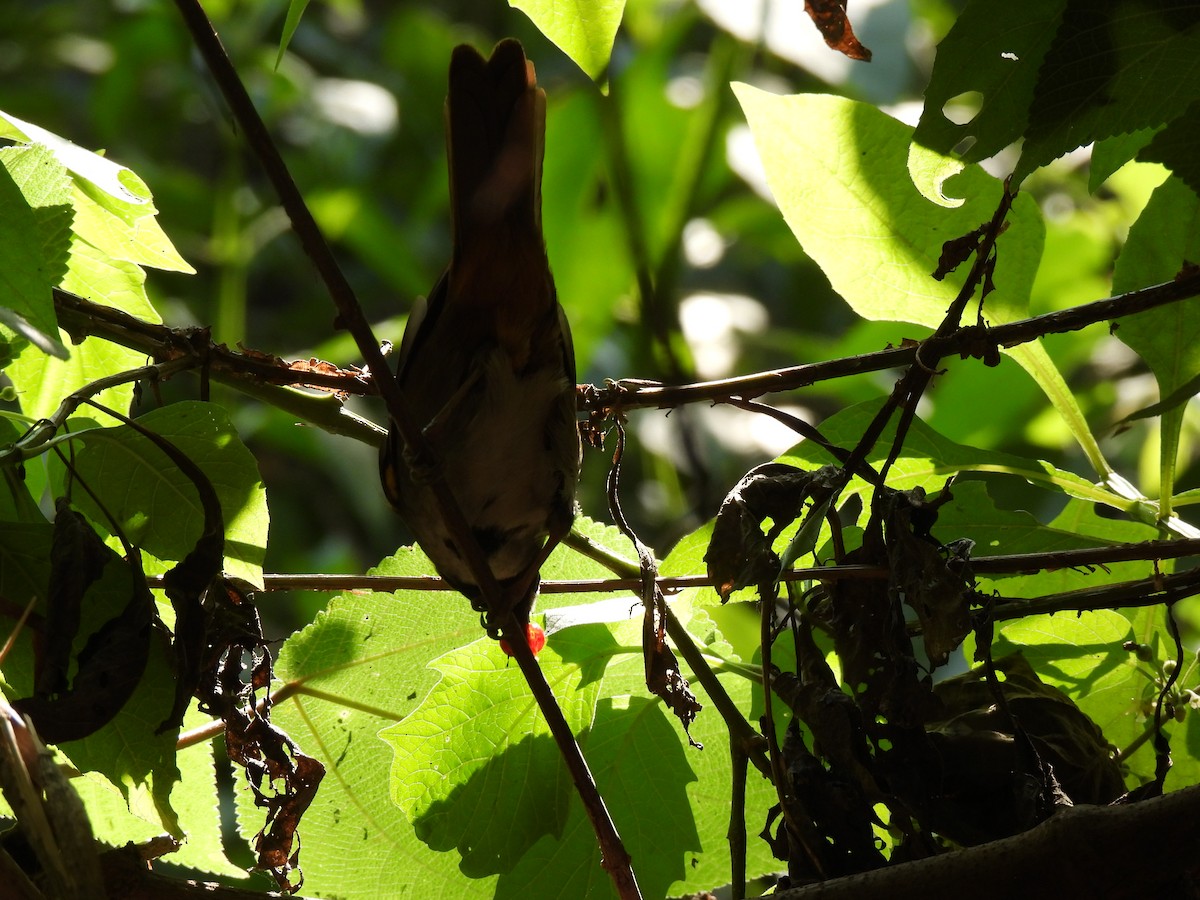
(1126, 852)
(1149, 591)
(81, 318)
(627, 395)
(1014, 564)
(128, 876)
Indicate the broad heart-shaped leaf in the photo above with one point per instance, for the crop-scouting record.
(156, 505)
(364, 664)
(1168, 338)
(582, 29)
(475, 768)
(35, 216)
(126, 751)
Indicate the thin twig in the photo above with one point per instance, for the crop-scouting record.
(736, 835)
(627, 395)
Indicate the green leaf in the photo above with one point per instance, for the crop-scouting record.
(42, 383)
(993, 51)
(294, 13)
(1165, 235)
(1061, 74)
(878, 240)
(1168, 338)
(582, 29)
(34, 215)
(114, 210)
(126, 751)
(195, 797)
(1076, 526)
(104, 173)
(124, 232)
(361, 666)
(466, 757)
(929, 458)
(1111, 153)
(156, 505)
(649, 804)
(838, 170)
(1171, 146)
(99, 223)
(1112, 69)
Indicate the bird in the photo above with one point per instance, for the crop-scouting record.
(486, 366)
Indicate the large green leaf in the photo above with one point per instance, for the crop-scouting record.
(34, 217)
(359, 667)
(1061, 74)
(582, 29)
(466, 758)
(156, 505)
(839, 172)
(364, 664)
(126, 752)
(1168, 338)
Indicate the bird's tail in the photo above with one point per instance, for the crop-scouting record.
(495, 127)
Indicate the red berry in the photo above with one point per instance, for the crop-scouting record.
(534, 637)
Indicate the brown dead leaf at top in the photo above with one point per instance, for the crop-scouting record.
(831, 20)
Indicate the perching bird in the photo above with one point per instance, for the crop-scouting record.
(486, 365)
